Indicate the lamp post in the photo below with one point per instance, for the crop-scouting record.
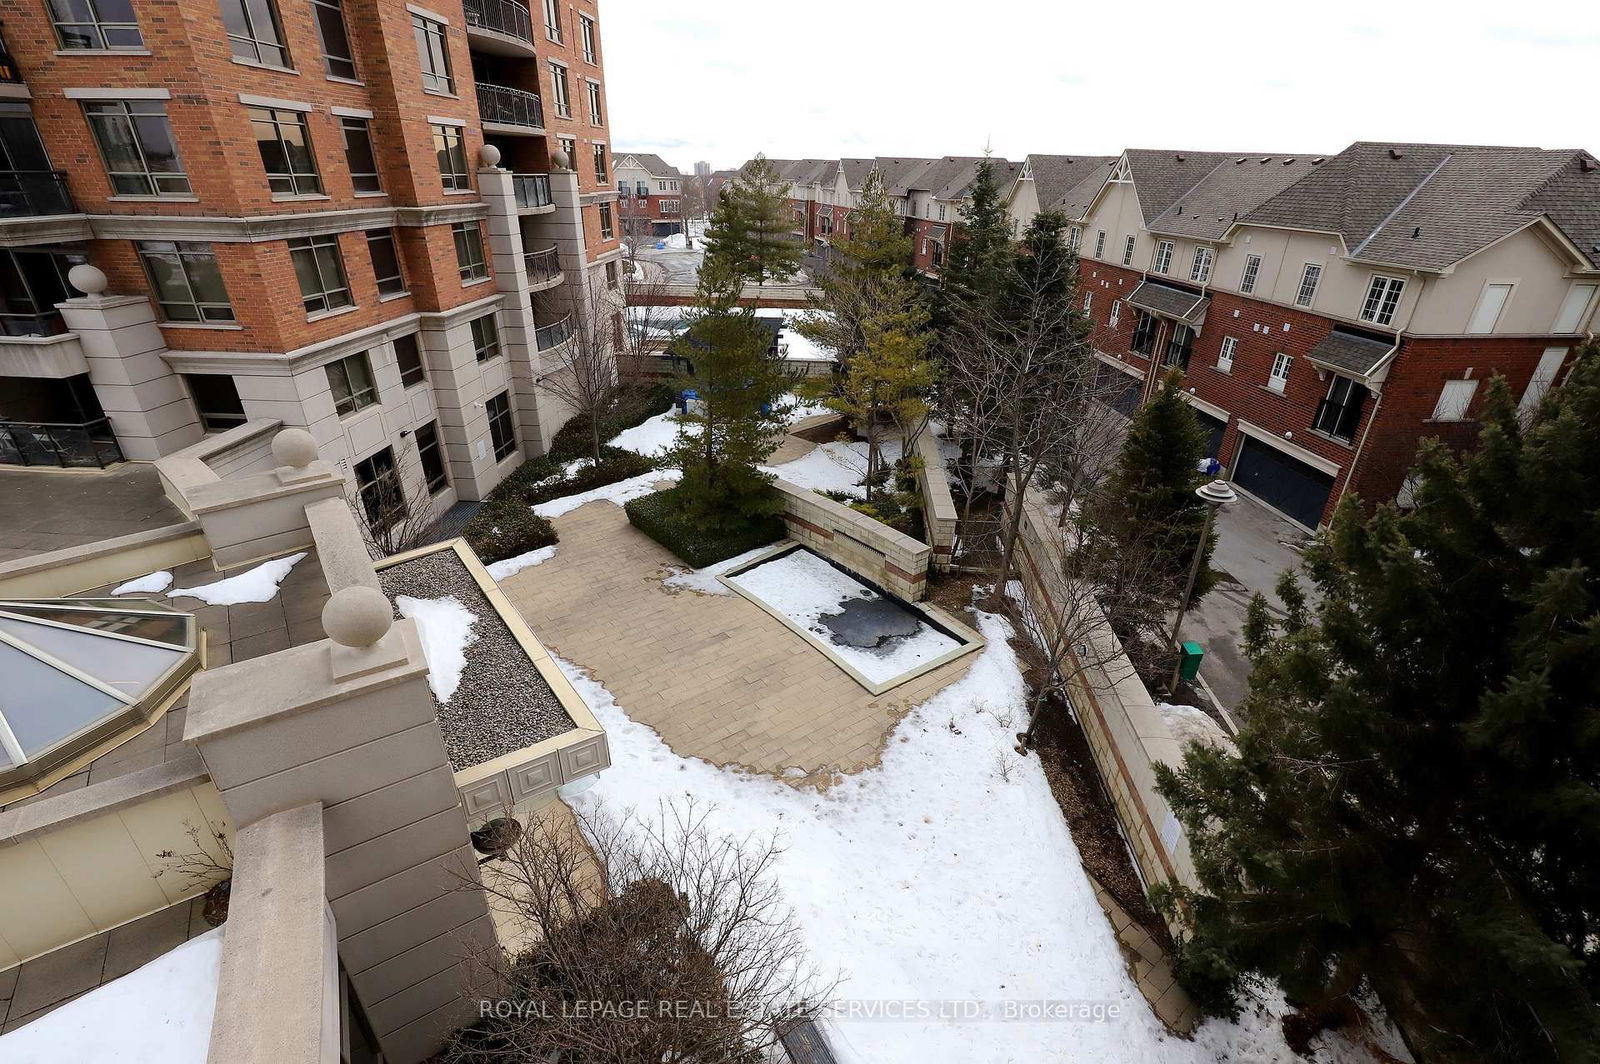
(1215, 495)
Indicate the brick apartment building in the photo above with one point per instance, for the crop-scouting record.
(1331, 312)
(381, 222)
(650, 197)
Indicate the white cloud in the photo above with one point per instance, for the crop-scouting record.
(828, 77)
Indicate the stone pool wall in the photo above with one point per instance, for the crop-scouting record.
(892, 560)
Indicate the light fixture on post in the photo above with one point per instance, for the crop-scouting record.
(1215, 495)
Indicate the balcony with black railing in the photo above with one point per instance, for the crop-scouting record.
(500, 27)
(544, 268)
(513, 110)
(554, 335)
(33, 443)
(33, 193)
(532, 191)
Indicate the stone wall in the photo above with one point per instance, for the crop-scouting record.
(892, 560)
(938, 508)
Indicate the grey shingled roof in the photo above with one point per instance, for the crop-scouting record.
(1350, 352)
(901, 174)
(1233, 188)
(1055, 175)
(855, 172)
(1161, 176)
(950, 178)
(654, 164)
(1074, 202)
(1167, 300)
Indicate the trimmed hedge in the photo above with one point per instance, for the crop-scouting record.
(505, 528)
(660, 516)
(615, 464)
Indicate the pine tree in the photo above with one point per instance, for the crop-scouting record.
(1416, 798)
(982, 242)
(751, 226)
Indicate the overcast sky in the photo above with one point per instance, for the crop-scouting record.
(722, 79)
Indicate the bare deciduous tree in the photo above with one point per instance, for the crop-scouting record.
(393, 511)
(596, 374)
(661, 910)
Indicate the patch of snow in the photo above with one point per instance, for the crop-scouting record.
(254, 585)
(932, 877)
(676, 242)
(837, 466)
(159, 1012)
(652, 438)
(804, 588)
(619, 493)
(512, 566)
(1189, 724)
(445, 627)
(705, 580)
(153, 582)
(797, 409)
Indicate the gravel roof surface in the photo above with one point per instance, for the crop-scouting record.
(502, 704)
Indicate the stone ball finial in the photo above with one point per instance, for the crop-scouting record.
(489, 155)
(90, 280)
(357, 616)
(560, 160)
(294, 448)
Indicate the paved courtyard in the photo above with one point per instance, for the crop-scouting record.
(715, 675)
(50, 509)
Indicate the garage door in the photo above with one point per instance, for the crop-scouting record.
(1287, 484)
(1121, 390)
(1214, 428)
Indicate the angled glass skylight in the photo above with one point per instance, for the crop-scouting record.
(78, 671)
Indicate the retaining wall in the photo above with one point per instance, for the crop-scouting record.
(938, 507)
(107, 561)
(892, 560)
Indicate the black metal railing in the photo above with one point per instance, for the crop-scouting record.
(38, 443)
(47, 324)
(28, 193)
(510, 107)
(502, 16)
(531, 190)
(542, 265)
(548, 336)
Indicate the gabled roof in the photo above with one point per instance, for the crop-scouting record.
(901, 175)
(1075, 201)
(1233, 188)
(950, 178)
(654, 165)
(811, 171)
(855, 172)
(1352, 353)
(1054, 175)
(1161, 176)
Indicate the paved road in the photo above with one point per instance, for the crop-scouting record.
(669, 266)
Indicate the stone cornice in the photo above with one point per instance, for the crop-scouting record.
(223, 230)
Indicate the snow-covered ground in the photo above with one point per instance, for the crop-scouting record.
(444, 626)
(705, 580)
(253, 585)
(946, 874)
(796, 347)
(619, 493)
(151, 582)
(804, 588)
(512, 566)
(1189, 724)
(157, 1014)
(837, 466)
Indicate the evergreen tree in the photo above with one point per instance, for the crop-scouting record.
(1416, 797)
(751, 225)
(981, 246)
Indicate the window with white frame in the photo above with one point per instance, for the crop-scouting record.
(1544, 376)
(1309, 277)
(1252, 270)
(587, 25)
(1163, 260)
(1575, 307)
(1127, 251)
(941, 212)
(1200, 271)
(1339, 413)
(1454, 399)
(1100, 244)
(595, 118)
(1280, 372)
(1074, 238)
(552, 20)
(1383, 299)
(1230, 344)
(1491, 304)
(1116, 312)
(1088, 302)
(670, 207)
(560, 95)
(433, 52)
(450, 147)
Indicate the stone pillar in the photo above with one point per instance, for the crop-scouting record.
(150, 412)
(349, 723)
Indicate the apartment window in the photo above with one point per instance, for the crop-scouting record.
(1116, 312)
(1383, 299)
(1127, 251)
(941, 212)
(470, 263)
(383, 500)
(1230, 344)
(254, 32)
(559, 94)
(137, 146)
(552, 20)
(600, 173)
(570, 146)
(1200, 271)
(1100, 244)
(433, 51)
(1163, 260)
(1544, 377)
(1491, 304)
(1454, 399)
(431, 457)
(594, 102)
(1307, 292)
(452, 152)
(586, 24)
(319, 268)
(408, 356)
(501, 432)
(337, 58)
(95, 24)
(216, 398)
(670, 207)
(1280, 372)
(1340, 412)
(485, 338)
(1180, 346)
(1252, 270)
(285, 146)
(358, 154)
(1074, 239)
(1573, 308)
(611, 274)
(1144, 333)
(1088, 302)
(606, 231)
(385, 262)
(350, 378)
(186, 281)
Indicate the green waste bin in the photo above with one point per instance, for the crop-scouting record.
(1189, 661)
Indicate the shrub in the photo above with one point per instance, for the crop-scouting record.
(615, 464)
(505, 528)
(572, 440)
(661, 517)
